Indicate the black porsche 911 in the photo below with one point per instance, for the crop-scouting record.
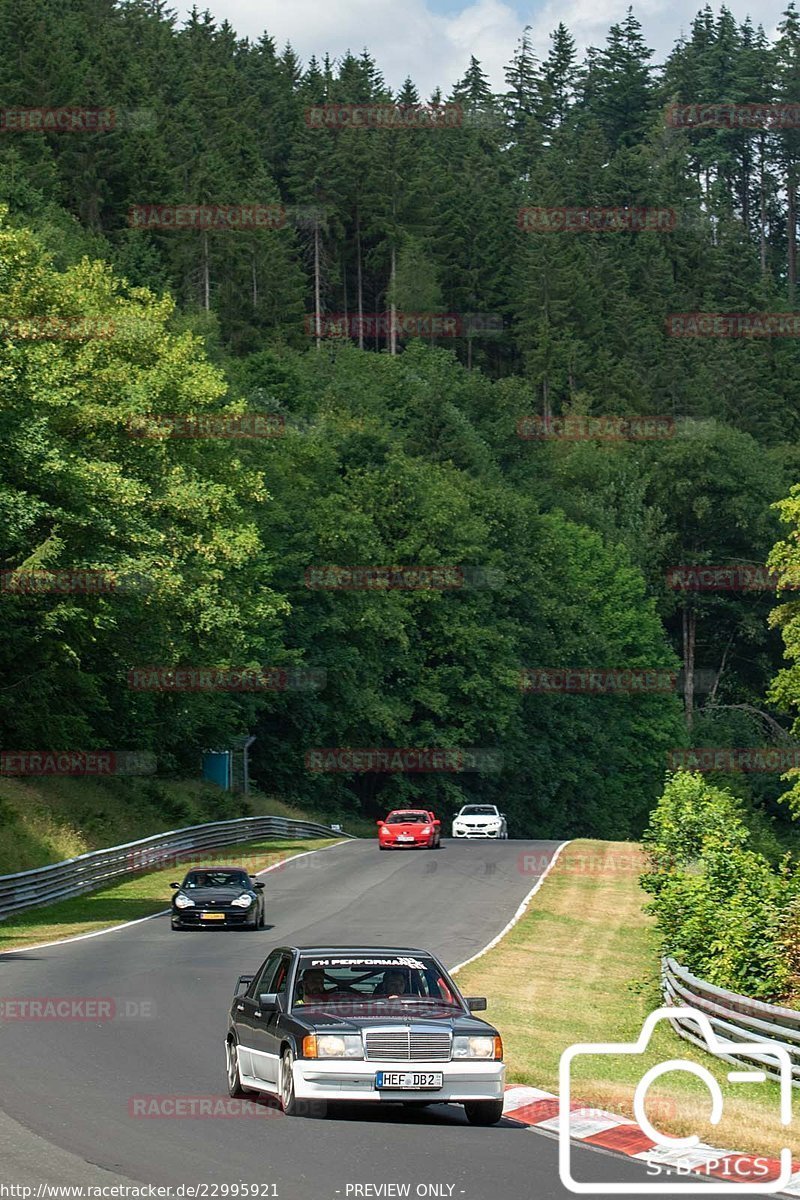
(366, 1024)
(218, 896)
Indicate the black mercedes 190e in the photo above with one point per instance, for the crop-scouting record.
(218, 896)
(362, 1023)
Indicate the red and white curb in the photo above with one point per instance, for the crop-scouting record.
(610, 1132)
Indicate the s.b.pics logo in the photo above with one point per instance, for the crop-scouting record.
(686, 1156)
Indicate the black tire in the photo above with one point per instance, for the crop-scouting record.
(263, 921)
(235, 1088)
(380, 847)
(286, 1084)
(483, 1112)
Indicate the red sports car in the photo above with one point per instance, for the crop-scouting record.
(407, 827)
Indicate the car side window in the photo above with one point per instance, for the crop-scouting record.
(281, 979)
(264, 978)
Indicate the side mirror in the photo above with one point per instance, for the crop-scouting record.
(268, 1002)
(243, 982)
(476, 1003)
(175, 885)
(437, 822)
(259, 886)
(379, 822)
(503, 815)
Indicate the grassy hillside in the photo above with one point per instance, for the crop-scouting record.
(46, 820)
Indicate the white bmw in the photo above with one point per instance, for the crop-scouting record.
(480, 821)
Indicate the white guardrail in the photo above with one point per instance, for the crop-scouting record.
(27, 889)
(733, 1017)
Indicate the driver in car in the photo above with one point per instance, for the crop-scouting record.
(394, 984)
(313, 986)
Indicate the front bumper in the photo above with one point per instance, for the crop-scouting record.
(417, 841)
(354, 1079)
(236, 918)
(477, 833)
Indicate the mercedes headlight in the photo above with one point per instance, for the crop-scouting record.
(243, 901)
(330, 1045)
(477, 1047)
(183, 901)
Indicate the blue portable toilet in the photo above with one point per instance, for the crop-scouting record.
(217, 767)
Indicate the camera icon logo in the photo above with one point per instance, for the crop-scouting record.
(775, 1056)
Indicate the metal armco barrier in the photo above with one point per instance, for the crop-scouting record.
(27, 889)
(733, 1017)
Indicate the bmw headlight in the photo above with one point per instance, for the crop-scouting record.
(331, 1045)
(243, 901)
(477, 1047)
(183, 901)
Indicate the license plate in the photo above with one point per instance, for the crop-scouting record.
(212, 916)
(405, 837)
(414, 1080)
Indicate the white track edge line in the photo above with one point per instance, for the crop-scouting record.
(82, 937)
(519, 913)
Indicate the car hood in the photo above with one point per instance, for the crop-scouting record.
(331, 1021)
(408, 826)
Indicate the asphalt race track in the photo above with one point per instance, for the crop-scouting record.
(69, 1082)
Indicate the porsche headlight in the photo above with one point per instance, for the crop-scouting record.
(477, 1047)
(330, 1045)
(243, 901)
(183, 901)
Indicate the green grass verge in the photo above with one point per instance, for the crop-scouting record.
(140, 896)
(46, 820)
(582, 965)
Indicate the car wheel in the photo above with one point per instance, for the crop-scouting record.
(483, 1112)
(235, 1088)
(288, 1098)
(262, 923)
(380, 847)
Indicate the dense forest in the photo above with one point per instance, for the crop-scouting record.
(387, 449)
